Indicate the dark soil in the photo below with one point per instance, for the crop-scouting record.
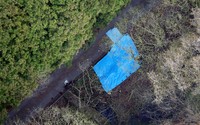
(48, 93)
(118, 106)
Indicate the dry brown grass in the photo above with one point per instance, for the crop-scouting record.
(58, 116)
(196, 21)
(177, 68)
(169, 47)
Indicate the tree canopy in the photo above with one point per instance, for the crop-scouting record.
(39, 35)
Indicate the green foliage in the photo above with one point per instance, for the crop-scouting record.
(195, 3)
(39, 35)
(194, 102)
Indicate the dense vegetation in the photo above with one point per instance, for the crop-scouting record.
(37, 36)
(169, 44)
(59, 116)
(166, 89)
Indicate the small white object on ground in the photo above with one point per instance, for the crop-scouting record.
(66, 82)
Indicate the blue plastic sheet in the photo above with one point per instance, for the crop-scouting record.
(114, 35)
(119, 63)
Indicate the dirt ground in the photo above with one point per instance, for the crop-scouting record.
(53, 88)
(125, 100)
(153, 35)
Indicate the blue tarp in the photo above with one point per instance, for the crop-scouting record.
(114, 35)
(119, 63)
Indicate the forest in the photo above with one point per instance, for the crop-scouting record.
(37, 36)
(164, 91)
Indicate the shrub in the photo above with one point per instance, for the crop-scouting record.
(58, 116)
(177, 69)
(169, 49)
(196, 20)
(38, 36)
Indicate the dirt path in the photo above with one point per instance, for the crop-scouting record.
(53, 89)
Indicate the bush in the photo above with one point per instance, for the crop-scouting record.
(177, 68)
(38, 36)
(169, 50)
(58, 116)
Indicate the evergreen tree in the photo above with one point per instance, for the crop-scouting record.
(39, 35)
